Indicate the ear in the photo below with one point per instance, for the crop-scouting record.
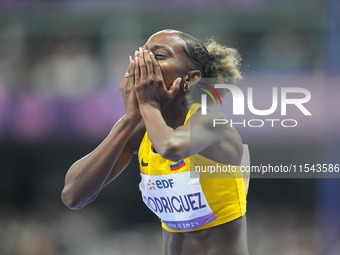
(193, 76)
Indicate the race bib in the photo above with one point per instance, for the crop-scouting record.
(177, 199)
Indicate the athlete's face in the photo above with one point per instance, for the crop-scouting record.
(168, 50)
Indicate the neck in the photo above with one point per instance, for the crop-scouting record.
(175, 112)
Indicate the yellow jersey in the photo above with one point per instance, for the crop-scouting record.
(186, 199)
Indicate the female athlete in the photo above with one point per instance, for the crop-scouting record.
(164, 125)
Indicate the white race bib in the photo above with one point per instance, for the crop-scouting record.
(177, 199)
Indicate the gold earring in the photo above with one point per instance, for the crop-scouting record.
(186, 87)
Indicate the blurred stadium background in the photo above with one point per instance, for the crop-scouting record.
(60, 66)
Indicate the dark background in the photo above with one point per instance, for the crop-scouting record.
(60, 66)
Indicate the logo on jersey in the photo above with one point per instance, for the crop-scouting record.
(160, 184)
(178, 165)
(151, 185)
(143, 163)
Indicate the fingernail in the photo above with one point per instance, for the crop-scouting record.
(140, 51)
(150, 53)
(144, 47)
(145, 51)
(130, 58)
(136, 59)
(136, 52)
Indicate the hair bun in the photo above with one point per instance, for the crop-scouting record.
(225, 62)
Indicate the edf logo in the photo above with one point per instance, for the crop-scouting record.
(161, 184)
(164, 184)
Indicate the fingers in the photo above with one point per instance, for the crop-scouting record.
(145, 64)
(129, 74)
(174, 88)
(148, 63)
(131, 68)
(142, 65)
(137, 72)
(132, 71)
(155, 66)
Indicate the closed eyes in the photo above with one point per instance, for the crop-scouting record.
(160, 56)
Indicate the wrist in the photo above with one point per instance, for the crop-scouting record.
(149, 105)
(132, 119)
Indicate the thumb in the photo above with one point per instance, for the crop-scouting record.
(174, 87)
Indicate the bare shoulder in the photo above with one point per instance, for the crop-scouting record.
(227, 147)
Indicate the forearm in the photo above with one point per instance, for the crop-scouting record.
(87, 176)
(182, 142)
(161, 135)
